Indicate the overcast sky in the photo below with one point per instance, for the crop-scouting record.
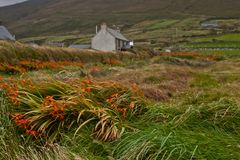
(9, 2)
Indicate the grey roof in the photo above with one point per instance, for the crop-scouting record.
(117, 34)
(80, 46)
(210, 25)
(4, 34)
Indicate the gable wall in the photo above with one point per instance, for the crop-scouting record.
(104, 41)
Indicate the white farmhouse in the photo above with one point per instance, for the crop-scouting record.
(108, 39)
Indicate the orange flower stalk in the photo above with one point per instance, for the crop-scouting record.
(32, 133)
(132, 105)
(23, 123)
(95, 68)
(124, 111)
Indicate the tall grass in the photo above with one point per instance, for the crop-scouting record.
(14, 147)
(201, 123)
(203, 130)
(198, 127)
(198, 130)
(47, 109)
(13, 52)
(149, 146)
(8, 136)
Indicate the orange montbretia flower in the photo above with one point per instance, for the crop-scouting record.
(132, 105)
(112, 98)
(95, 68)
(33, 133)
(11, 86)
(11, 89)
(124, 111)
(25, 65)
(88, 81)
(56, 107)
(89, 90)
(24, 123)
(3, 85)
(86, 90)
(57, 112)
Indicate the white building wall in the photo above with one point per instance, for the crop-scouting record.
(104, 41)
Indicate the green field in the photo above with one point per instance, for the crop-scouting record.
(151, 33)
(222, 41)
(220, 44)
(186, 106)
(229, 53)
(163, 24)
(158, 34)
(234, 37)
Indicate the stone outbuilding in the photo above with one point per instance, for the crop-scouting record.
(5, 34)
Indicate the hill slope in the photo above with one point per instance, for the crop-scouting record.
(56, 16)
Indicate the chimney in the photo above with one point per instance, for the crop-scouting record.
(96, 29)
(103, 26)
(118, 29)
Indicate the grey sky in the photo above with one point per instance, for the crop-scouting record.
(9, 2)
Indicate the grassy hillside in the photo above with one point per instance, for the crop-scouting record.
(182, 105)
(152, 33)
(17, 58)
(13, 52)
(163, 33)
(59, 16)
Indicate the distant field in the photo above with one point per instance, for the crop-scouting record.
(226, 53)
(234, 37)
(231, 40)
(161, 33)
(154, 33)
(219, 44)
(163, 24)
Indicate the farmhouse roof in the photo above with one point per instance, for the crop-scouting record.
(117, 34)
(114, 33)
(4, 34)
